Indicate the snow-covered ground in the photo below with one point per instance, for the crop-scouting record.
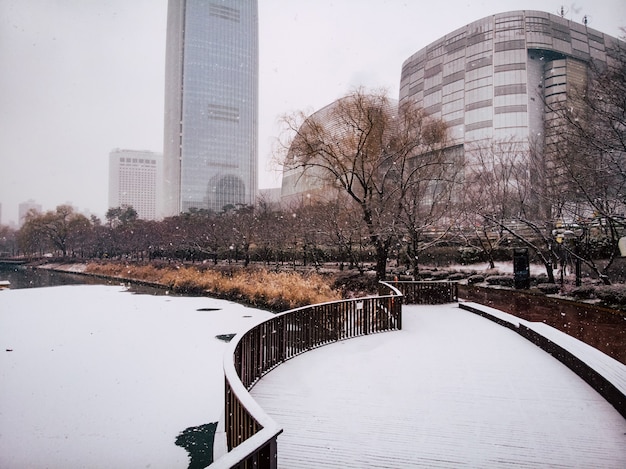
(499, 268)
(97, 377)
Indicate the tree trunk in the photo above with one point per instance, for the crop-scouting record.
(549, 272)
(382, 251)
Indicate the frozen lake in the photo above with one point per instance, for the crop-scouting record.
(95, 376)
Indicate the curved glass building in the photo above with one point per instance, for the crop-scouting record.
(211, 105)
(298, 185)
(311, 182)
(493, 80)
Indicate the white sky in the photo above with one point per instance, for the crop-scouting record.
(79, 78)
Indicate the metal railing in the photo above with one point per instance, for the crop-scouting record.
(427, 293)
(250, 433)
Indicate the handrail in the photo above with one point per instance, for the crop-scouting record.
(250, 433)
(427, 292)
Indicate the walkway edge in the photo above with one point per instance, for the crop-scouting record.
(603, 373)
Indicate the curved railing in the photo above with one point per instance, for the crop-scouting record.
(428, 292)
(250, 433)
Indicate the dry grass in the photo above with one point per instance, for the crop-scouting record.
(273, 290)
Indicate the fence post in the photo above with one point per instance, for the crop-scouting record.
(366, 313)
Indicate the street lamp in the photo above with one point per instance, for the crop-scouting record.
(564, 235)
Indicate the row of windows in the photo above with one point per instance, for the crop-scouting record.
(511, 52)
(511, 71)
(506, 23)
(148, 184)
(137, 173)
(224, 12)
(225, 113)
(137, 160)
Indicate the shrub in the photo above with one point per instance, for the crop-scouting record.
(439, 275)
(548, 288)
(457, 276)
(470, 255)
(425, 274)
(503, 280)
(475, 279)
(583, 293)
(613, 295)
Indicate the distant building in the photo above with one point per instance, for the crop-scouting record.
(134, 180)
(24, 208)
(490, 81)
(211, 105)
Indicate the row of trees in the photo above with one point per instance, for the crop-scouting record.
(312, 233)
(307, 233)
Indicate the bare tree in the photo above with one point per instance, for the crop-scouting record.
(361, 147)
(58, 229)
(588, 154)
(344, 230)
(8, 241)
(428, 184)
(500, 202)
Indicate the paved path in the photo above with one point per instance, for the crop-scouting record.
(451, 389)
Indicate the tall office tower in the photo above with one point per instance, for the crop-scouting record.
(134, 180)
(24, 208)
(494, 80)
(211, 102)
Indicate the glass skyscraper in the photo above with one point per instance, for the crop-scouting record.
(211, 102)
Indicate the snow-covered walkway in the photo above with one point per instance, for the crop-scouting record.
(452, 389)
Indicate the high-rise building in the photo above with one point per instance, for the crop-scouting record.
(494, 80)
(211, 102)
(24, 208)
(134, 181)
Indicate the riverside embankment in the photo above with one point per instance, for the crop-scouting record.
(601, 327)
(273, 291)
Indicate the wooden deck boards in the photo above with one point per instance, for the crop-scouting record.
(451, 389)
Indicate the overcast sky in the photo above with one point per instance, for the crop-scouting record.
(79, 78)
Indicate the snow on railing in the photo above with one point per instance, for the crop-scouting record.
(427, 293)
(250, 433)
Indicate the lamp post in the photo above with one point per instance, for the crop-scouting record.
(563, 236)
(579, 233)
(559, 236)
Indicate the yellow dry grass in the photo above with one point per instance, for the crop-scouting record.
(273, 290)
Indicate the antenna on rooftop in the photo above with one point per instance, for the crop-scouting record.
(562, 11)
(586, 20)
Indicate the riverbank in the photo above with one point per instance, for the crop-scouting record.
(279, 290)
(257, 287)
